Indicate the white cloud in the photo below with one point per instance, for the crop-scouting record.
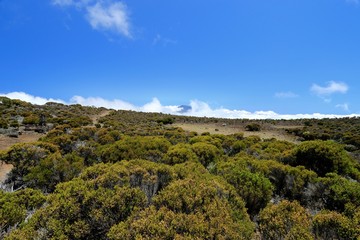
(163, 40)
(75, 3)
(112, 17)
(156, 106)
(102, 15)
(343, 106)
(29, 98)
(153, 106)
(100, 102)
(198, 108)
(331, 88)
(286, 95)
(63, 2)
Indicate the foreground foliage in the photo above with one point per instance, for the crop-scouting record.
(133, 175)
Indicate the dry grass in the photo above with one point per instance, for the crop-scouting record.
(7, 142)
(277, 132)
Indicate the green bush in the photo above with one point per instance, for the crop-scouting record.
(189, 209)
(31, 119)
(253, 127)
(165, 121)
(16, 206)
(254, 188)
(340, 192)
(52, 170)
(78, 210)
(24, 157)
(179, 153)
(289, 182)
(323, 157)
(282, 220)
(333, 225)
(149, 148)
(4, 123)
(206, 153)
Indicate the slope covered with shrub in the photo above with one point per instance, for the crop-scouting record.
(134, 176)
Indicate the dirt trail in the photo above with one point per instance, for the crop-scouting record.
(95, 118)
(7, 142)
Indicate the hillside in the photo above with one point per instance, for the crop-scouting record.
(93, 173)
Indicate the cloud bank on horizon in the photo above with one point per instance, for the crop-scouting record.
(196, 108)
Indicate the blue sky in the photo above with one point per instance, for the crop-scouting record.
(224, 58)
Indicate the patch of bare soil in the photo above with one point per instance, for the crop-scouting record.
(95, 118)
(276, 132)
(7, 142)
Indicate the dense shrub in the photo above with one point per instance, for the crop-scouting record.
(254, 188)
(4, 123)
(192, 210)
(206, 153)
(149, 148)
(24, 157)
(340, 192)
(189, 186)
(281, 221)
(289, 182)
(17, 206)
(167, 120)
(31, 119)
(253, 127)
(52, 170)
(333, 225)
(77, 210)
(150, 177)
(178, 154)
(323, 157)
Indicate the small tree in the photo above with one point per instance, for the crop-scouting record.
(253, 127)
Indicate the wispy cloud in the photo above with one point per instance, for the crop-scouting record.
(343, 106)
(74, 3)
(111, 15)
(286, 95)
(163, 40)
(196, 108)
(63, 2)
(331, 88)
